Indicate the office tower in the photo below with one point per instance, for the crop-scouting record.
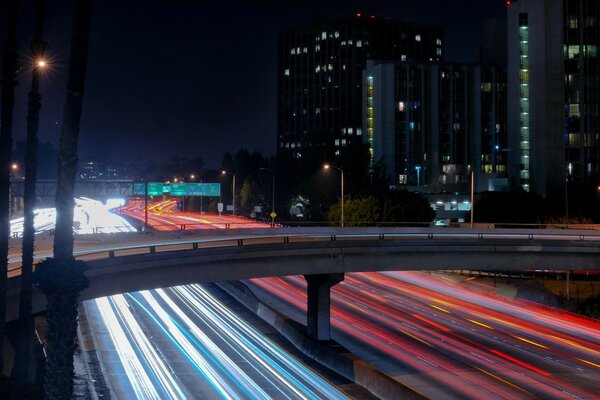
(432, 124)
(553, 69)
(320, 75)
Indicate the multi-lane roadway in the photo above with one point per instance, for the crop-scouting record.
(185, 343)
(164, 216)
(448, 342)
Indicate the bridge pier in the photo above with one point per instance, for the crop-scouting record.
(318, 322)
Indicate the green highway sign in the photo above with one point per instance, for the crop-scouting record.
(139, 189)
(204, 189)
(179, 189)
(155, 188)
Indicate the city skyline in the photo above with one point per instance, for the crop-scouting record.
(175, 80)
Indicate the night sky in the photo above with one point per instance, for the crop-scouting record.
(197, 78)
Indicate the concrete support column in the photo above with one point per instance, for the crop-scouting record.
(318, 325)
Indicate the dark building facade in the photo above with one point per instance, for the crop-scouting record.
(320, 66)
(553, 80)
(432, 124)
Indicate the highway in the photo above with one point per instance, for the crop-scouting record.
(164, 216)
(443, 341)
(447, 342)
(185, 343)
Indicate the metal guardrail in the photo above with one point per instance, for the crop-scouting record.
(249, 240)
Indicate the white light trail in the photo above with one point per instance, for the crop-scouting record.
(89, 217)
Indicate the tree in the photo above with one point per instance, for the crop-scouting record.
(9, 81)
(404, 206)
(62, 278)
(357, 212)
(25, 338)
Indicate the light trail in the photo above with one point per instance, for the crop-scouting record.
(164, 216)
(234, 359)
(464, 345)
(89, 217)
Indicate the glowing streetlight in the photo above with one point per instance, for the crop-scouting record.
(328, 166)
(14, 166)
(41, 63)
(233, 192)
(192, 176)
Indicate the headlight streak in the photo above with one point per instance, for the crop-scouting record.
(89, 216)
(140, 381)
(165, 323)
(170, 387)
(275, 353)
(239, 336)
(202, 312)
(215, 354)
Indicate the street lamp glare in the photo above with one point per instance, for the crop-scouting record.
(14, 166)
(326, 166)
(223, 172)
(192, 176)
(41, 63)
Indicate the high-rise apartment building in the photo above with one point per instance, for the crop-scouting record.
(553, 84)
(432, 124)
(320, 75)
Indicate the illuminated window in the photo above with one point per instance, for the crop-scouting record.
(305, 50)
(438, 41)
(317, 47)
(293, 51)
(401, 106)
(438, 51)
(286, 72)
(574, 110)
(590, 51)
(403, 57)
(572, 51)
(572, 21)
(359, 43)
(418, 38)
(336, 34)
(486, 87)
(324, 35)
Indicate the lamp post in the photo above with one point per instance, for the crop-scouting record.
(233, 193)
(14, 167)
(273, 195)
(328, 166)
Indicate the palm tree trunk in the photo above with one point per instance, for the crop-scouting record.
(9, 81)
(20, 384)
(62, 278)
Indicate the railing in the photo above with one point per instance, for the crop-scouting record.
(287, 238)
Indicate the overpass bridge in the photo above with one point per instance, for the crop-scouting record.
(132, 262)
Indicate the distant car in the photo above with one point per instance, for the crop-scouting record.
(440, 222)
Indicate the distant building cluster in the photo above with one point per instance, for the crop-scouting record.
(98, 170)
(525, 113)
